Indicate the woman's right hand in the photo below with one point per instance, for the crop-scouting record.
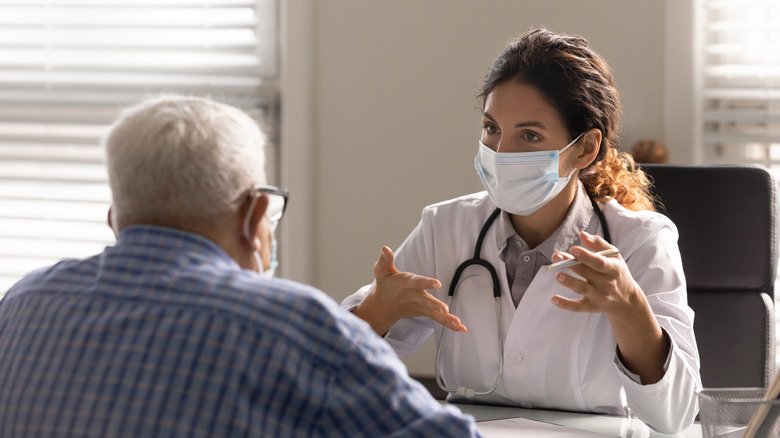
(399, 295)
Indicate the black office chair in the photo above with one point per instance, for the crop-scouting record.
(727, 220)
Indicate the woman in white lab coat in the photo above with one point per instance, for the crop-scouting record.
(613, 334)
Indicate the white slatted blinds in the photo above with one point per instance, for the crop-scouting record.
(740, 65)
(67, 66)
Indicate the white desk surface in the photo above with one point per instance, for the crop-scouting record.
(604, 424)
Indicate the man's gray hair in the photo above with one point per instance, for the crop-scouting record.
(182, 160)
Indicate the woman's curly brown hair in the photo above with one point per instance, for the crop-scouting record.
(577, 81)
(616, 176)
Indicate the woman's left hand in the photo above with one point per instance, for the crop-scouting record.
(608, 286)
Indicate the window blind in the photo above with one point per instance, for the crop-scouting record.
(740, 80)
(66, 69)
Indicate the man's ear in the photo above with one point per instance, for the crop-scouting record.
(110, 220)
(252, 212)
(591, 143)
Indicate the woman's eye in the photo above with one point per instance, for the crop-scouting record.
(490, 129)
(530, 136)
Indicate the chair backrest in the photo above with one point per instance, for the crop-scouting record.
(727, 220)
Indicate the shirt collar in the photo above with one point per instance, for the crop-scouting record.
(568, 234)
(578, 218)
(195, 246)
(504, 231)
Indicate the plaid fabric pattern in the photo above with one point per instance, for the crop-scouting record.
(164, 335)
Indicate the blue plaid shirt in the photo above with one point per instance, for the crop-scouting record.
(163, 334)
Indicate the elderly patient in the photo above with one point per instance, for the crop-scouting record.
(178, 330)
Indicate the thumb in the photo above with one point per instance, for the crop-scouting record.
(384, 266)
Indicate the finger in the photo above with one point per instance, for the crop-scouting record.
(594, 242)
(559, 256)
(438, 311)
(384, 266)
(433, 305)
(576, 285)
(590, 261)
(422, 283)
(449, 321)
(569, 304)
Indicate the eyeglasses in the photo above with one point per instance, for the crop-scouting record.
(277, 201)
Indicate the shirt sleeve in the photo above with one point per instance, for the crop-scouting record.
(635, 377)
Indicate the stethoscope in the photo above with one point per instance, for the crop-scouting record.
(477, 260)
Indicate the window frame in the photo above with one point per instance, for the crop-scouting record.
(264, 104)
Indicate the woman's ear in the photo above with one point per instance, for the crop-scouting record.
(591, 143)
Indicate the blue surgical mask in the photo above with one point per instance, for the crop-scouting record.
(521, 182)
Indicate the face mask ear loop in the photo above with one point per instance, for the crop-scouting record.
(567, 147)
(571, 143)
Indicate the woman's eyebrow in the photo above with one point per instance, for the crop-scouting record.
(534, 124)
(531, 123)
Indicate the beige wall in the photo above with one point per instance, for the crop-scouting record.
(396, 123)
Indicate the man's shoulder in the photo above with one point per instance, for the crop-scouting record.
(224, 293)
(54, 277)
(286, 298)
(303, 318)
(297, 310)
(246, 293)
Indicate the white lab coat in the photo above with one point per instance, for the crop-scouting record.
(552, 358)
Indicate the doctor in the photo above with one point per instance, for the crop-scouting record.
(611, 334)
